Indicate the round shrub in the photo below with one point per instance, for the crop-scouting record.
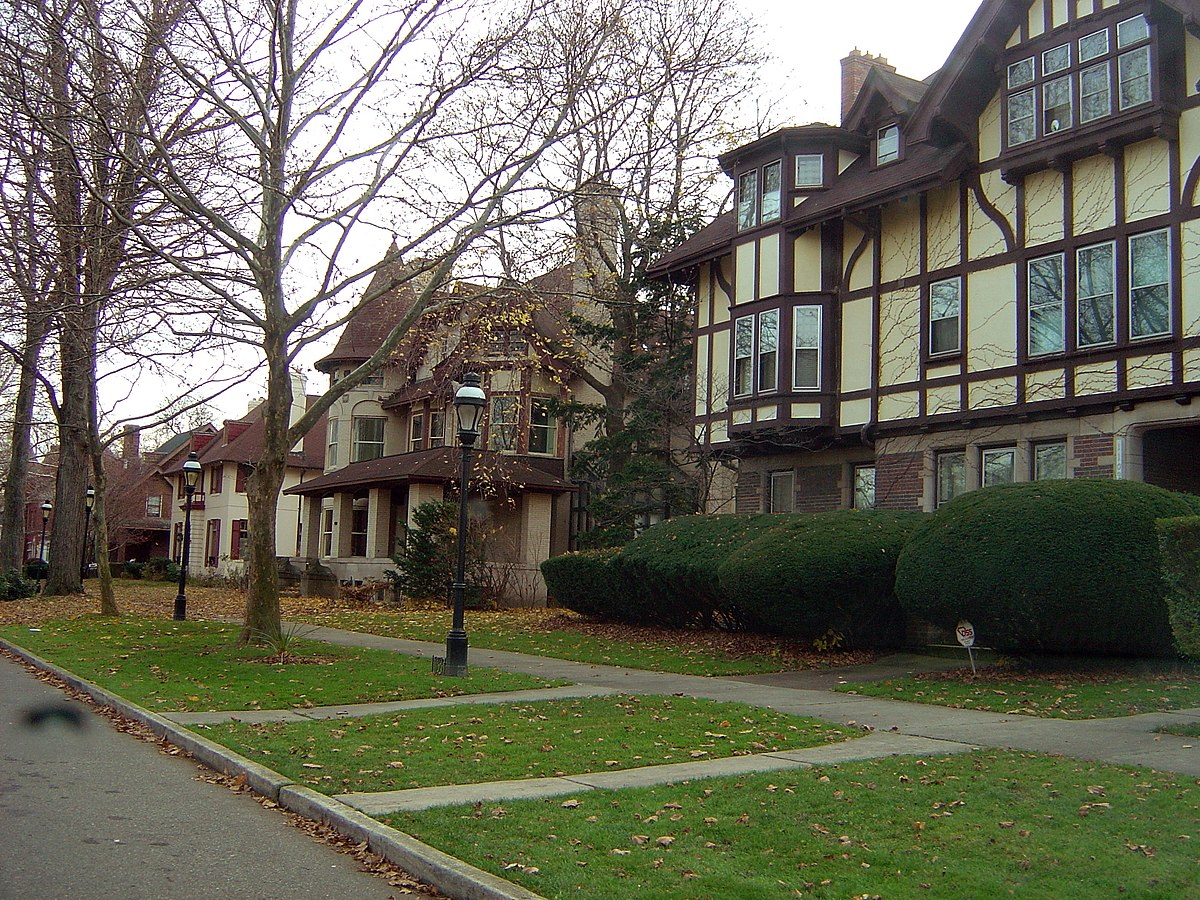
(670, 570)
(1051, 566)
(586, 581)
(824, 571)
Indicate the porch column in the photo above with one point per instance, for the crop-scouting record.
(343, 516)
(311, 546)
(379, 517)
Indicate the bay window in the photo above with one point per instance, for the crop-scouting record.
(368, 437)
(743, 356)
(768, 350)
(806, 345)
(543, 428)
(755, 207)
(772, 191)
(747, 205)
(502, 429)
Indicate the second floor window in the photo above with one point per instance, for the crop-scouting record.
(416, 432)
(368, 437)
(216, 475)
(945, 314)
(154, 507)
(543, 429)
(331, 448)
(806, 343)
(437, 428)
(502, 428)
(768, 350)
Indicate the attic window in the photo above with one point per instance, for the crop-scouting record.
(810, 170)
(887, 145)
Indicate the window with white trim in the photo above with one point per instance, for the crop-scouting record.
(887, 144)
(154, 506)
(999, 466)
(416, 432)
(806, 348)
(331, 448)
(543, 427)
(327, 532)
(1149, 284)
(772, 191)
(743, 356)
(747, 205)
(368, 437)
(1046, 305)
(945, 316)
(810, 170)
(437, 428)
(1094, 295)
(760, 196)
(768, 350)
(781, 495)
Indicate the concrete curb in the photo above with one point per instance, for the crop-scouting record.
(449, 875)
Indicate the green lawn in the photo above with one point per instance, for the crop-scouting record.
(524, 631)
(1182, 730)
(988, 824)
(1060, 696)
(461, 745)
(193, 666)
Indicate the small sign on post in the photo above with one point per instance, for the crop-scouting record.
(965, 632)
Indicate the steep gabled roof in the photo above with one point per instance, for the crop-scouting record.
(899, 93)
(241, 441)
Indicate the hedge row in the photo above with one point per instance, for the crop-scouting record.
(1070, 566)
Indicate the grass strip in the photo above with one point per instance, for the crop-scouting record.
(514, 631)
(465, 745)
(194, 666)
(1090, 695)
(987, 824)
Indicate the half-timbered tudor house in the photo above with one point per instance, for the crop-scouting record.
(990, 275)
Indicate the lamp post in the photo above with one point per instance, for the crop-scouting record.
(469, 402)
(46, 507)
(89, 500)
(191, 472)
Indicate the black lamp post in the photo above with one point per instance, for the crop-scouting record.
(89, 500)
(191, 472)
(469, 402)
(46, 507)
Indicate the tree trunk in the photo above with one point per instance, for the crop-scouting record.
(74, 464)
(12, 525)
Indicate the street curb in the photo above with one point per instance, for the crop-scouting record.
(448, 874)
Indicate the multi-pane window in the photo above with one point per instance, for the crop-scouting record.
(543, 429)
(951, 475)
(810, 170)
(743, 356)
(781, 497)
(1149, 284)
(502, 428)
(154, 507)
(755, 207)
(327, 532)
(945, 312)
(747, 205)
(1050, 461)
(806, 347)
(1094, 293)
(437, 428)
(768, 350)
(368, 437)
(887, 144)
(1046, 305)
(864, 488)
(416, 432)
(1073, 84)
(331, 448)
(999, 466)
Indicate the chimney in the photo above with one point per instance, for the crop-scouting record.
(855, 69)
(130, 446)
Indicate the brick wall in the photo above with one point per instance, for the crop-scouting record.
(748, 493)
(818, 488)
(1093, 456)
(899, 481)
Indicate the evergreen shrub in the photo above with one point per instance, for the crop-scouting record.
(14, 586)
(817, 573)
(159, 568)
(587, 582)
(1069, 566)
(1179, 543)
(670, 570)
(427, 564)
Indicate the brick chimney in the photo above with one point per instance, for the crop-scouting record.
(130, 446)
(855, 69)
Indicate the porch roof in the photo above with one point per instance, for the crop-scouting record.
(436, 465)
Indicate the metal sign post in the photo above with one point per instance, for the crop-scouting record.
(965, 632)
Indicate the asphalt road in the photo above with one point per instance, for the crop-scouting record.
(88, 812)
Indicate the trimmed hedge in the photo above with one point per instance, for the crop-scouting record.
(670, 570)
(1066, 566)
(1179, 542)
(819, 572)
(587, 582)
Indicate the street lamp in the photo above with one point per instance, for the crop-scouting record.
(469, 402)
(89, 500)
(46, 507)
(191, 473)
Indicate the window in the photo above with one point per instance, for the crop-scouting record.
(327, 532)
(416, 432)
(437, 428)
(177, 543)
(999, 466)
(154, 507)
(743, 357)
(768, 350)
(806, 343)
(810, 170)
(212, 543)
(781, 496)
(331, 448)
(1095, 300)
(373, 380)
(1050, 461)
(887, 144)
(368, 437)
(358, 527)
(864, 488)
(748, 200)
(243, 472)
(216, 475)
(507, 341)
(1060, 92)
(945, 311)
(1046, 305)
(502, 429)
(241, 533)
(772, 191)
(543, 428)
(1149, 291)
(951, 475)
